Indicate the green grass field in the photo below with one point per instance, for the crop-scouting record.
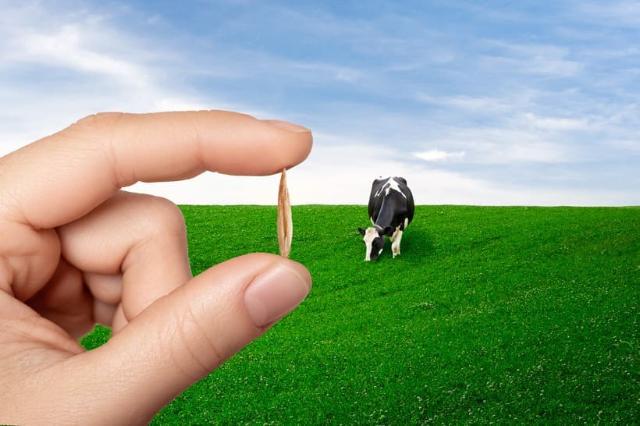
(490, 315)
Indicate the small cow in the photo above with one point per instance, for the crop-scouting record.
(390, 211)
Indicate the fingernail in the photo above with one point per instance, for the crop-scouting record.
(276, 292)
(287, 126)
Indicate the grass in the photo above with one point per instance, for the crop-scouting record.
(490, 315)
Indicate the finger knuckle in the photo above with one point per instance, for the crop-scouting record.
(98, 120)
(196, 353)
(164, 214)
(100, 129)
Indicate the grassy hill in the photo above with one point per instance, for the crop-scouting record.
(490, 314)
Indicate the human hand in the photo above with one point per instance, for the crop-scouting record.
(76, 250)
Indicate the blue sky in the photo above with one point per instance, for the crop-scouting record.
(474, 102)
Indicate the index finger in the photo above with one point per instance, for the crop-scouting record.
(64, 176)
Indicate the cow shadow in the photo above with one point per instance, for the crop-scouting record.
(417, 246)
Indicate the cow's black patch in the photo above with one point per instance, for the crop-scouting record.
(376, 247)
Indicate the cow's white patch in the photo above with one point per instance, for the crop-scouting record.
(395, 233)
(395, 247)
(393, 184)
(406, 222)
(369, 235)
(377, 194)
(390, 184)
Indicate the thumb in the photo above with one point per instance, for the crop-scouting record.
(186, 334)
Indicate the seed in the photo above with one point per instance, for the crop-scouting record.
(285, 224)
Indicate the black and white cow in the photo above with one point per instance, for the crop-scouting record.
(390, 211)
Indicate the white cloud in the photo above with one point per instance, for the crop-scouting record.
(70, 47)
(475, 104)
(611, 13)
(178, 104)
(503, 145)
(437, 155)
(542, 59)
(556, 123)
(631, 146)
(335, 72)
(81, 42)
(230, 62)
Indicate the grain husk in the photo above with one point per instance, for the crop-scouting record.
(285, 224)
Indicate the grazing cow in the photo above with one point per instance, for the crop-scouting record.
(390, 211)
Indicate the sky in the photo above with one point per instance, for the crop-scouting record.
(473, 102)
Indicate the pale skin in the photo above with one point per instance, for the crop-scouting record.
(75, 250)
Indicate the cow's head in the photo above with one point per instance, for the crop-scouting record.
(373, 238)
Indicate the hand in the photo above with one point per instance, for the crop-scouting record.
(76, 250)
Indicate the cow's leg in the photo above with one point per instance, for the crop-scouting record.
(395, 234)
(395, 245)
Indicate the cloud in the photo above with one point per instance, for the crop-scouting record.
(611, 13)
(437, 155)
(541, 59)
(476, 104)
(499, 145)
(82, 42)
(556, 123)
(70, 47)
